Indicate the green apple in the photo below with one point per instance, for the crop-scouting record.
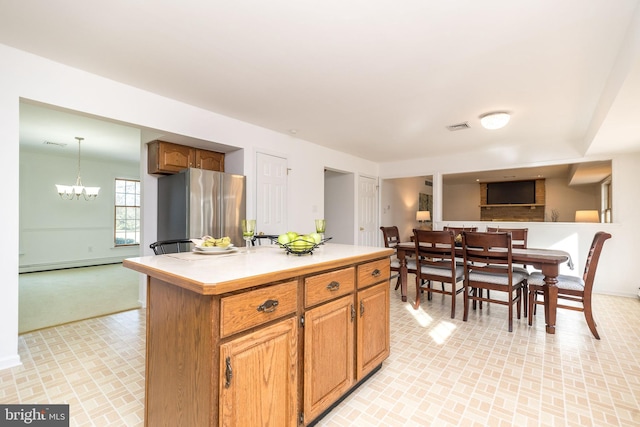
(317, 238)
(283, 239)
(309, 241)
(292, 235)
(298, 245)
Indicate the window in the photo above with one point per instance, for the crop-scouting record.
(606, 201)
(127, 216)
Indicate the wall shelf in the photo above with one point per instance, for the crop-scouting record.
(504, 205)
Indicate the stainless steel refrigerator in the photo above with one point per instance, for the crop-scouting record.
(196, 202)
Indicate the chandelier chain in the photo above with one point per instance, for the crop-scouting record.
(78, 181)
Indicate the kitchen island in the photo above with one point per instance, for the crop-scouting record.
(261, 338)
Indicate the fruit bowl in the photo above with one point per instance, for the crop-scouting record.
(299, 246)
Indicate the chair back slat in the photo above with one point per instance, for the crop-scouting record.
(391, 236)
(487, 252)
(518, 235)
(435, 248)
(163, 247)
(458, 230)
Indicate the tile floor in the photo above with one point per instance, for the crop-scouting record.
(441, 372)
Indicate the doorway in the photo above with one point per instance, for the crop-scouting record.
(339, 206)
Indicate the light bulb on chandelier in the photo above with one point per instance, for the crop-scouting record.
(69, 192)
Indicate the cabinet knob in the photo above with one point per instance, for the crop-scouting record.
(268, 306)
(333, 286)
(375, 273)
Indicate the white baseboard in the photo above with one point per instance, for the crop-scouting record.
(10, 362)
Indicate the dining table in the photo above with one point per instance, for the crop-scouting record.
(548, 261)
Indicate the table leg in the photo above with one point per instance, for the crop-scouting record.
(403, 274)
(550, 302)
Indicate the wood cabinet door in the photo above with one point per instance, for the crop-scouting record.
(210, 160)
(328, 355)
(174, 157)
(258, 378)
(373, 328)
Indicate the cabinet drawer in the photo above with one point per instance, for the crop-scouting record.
(373, 272)
(327, 286)
(244, 311)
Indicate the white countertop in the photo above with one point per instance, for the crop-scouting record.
(219, 273)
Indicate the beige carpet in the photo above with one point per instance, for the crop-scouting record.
(61, 296)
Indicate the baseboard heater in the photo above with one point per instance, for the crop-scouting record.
(33, 268)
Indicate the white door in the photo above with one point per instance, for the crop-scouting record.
(367, 211)
(271, 194)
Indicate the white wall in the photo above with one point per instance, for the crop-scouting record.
(399, 203)
(461, 202)
(57, 233)
(567, 200)
(34, 78)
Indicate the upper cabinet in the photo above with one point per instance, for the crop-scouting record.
(168, 158)
(209, 160)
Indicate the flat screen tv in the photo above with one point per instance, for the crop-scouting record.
(511, 193)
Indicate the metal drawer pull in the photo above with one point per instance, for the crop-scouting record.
(333, 286)
(268, 306)
(375, 273)
(228, 373)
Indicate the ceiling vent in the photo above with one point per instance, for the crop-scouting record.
(57, 144)
(458, 126)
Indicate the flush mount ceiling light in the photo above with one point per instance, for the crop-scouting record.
(69, 192)
(495, 120)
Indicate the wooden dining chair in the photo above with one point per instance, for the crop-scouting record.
(391, 238)
(518, 235)
(436, 262)
(575, 290)
(488, 265)
(171, 246)
(518, 241)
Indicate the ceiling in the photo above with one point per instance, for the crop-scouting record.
(378, 79)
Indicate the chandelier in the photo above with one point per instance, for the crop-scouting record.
(68, 192)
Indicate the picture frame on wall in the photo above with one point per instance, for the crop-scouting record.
(425, 202)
